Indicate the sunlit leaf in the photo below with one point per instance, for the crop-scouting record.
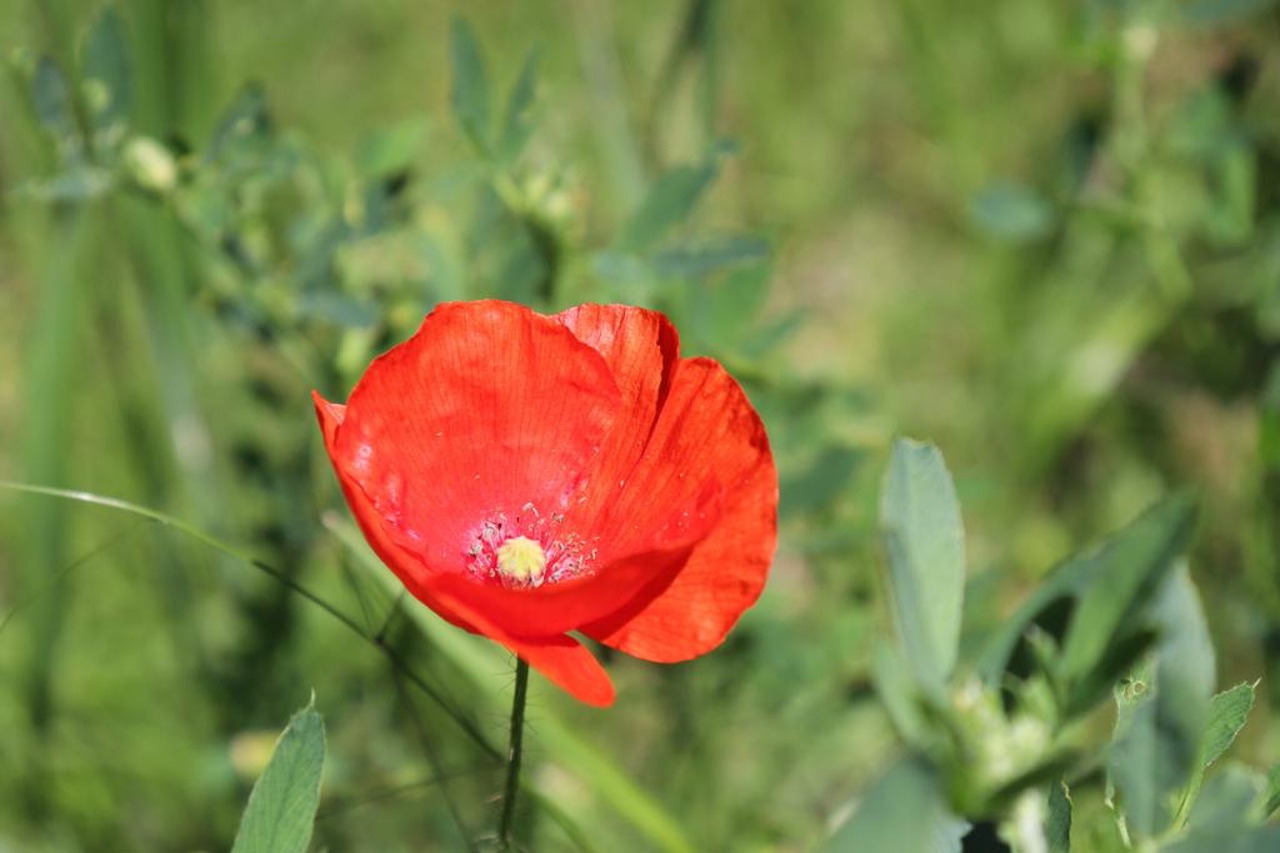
(1228, 712)
(920, 522)
(282, 806)
(1057, 825)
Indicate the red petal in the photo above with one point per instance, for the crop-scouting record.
(707, 430)
(490, 406)
(568, 664)
(642, 349)
(405, 564)
(561, 659)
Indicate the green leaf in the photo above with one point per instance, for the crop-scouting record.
(904, 811)
(1265, 839)
(1131, 567)
(899, 694)
(108, 77)
(821, 482)
(1273, 792)
(1228, 712)
(1157, 748)
(282, 806)
(1216, 13)
(245, 122)
(392, 149)
(669, 203)
(1012, 212)
(920, 522)
(708, 255)
(1230, 800)
(470, 93)
(52, 100)
(1138, 768)
(517, 126)
(1057, 824)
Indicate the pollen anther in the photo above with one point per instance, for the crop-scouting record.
(521, 562)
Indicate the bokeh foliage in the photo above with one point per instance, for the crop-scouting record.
(1043, 235)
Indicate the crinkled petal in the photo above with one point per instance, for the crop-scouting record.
(707, 429)
(563, 660)
(642, 350)
(488, 408)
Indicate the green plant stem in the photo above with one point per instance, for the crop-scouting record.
(514, 754)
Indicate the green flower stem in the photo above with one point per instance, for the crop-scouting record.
(514, 755)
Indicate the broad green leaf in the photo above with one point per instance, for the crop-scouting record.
(1228, 712)
(920, 521)
(904, 811)
(517, 126)
(1057, 825)
(1133, 564)
(282, 806)
(470, 93)
(668, 204)
(108, 78)
(52, 100)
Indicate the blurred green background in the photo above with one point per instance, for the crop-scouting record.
(1045, 236)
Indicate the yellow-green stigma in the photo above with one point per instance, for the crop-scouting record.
(521, 562)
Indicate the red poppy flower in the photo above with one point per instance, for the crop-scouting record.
(527, 476)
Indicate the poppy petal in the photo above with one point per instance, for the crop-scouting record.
(405, 564)
(569, 665)
(642, 349)
(707, 429)
(561, 659)
(488, 408)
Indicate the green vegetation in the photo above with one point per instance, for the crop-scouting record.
(1044, 236)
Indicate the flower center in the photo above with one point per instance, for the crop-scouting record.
(521, 562)
(526, 550)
